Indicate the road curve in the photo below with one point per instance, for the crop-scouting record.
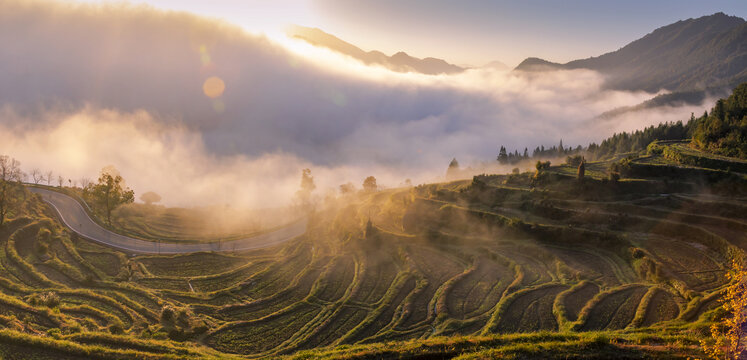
(75, 217)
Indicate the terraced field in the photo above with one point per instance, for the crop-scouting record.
(462, 258)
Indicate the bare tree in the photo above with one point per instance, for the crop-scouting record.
(50, 177)
(60, 180)
(10, 177)
(84, 182)
(37, 176)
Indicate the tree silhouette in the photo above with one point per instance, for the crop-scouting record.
(110, 192)
(10, 177)
(150, 197)
(453, 169)
(502, 155)
(307, 186)
(369, 184)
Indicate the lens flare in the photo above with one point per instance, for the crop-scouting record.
(213, 87)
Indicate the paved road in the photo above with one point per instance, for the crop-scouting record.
(75, 217)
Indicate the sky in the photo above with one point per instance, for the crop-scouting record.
(203, 112)
(473, 32)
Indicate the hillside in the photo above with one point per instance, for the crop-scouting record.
(625, 259)
(693, 54)
(400, 62)
(610, 268)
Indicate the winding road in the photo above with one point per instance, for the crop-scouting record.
(75, 217)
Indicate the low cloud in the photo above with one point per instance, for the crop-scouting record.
(84, 87)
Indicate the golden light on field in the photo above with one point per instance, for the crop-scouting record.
(213, 87)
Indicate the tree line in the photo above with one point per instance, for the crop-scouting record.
(722, 131)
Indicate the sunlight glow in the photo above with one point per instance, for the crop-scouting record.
(213, 87)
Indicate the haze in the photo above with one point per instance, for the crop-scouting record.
(80, 84)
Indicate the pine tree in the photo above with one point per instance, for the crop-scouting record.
(502, 156)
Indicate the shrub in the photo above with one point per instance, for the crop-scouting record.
(183, 318)
(654, 149)
(49, 299)
(167, 314)
(55, 333)
(540, 165)
(574, 160)
(621, 167)
(116, 328)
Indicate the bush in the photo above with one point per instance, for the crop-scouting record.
(654, 149)
(183, 318)
(55, 333)
(574, 160)
(49, 299)
(622, 167)
(116, 329)
(167, 314)
(540, 165)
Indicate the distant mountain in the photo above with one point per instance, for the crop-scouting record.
(693, 54)
(400, 61)
(496, 65)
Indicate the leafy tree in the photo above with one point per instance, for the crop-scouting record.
(726, 337)
(10, 178)
(369, 184)
(109, 192)
(150, 197)
(347, 188)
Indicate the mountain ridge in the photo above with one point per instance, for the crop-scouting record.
(709, 51)
(400, 61)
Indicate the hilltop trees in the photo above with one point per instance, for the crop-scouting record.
(10, 176)
(502, 156)
(724, 131)
(109, 192)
